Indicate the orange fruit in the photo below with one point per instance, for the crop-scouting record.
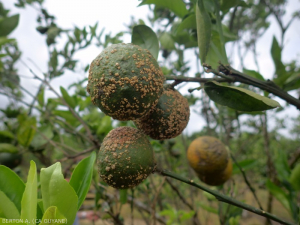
(210, 159)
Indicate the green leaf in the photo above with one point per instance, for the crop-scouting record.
(8, 24)
(215, 55)
(82, 177)
(295, 177)
(176, 6)
(69, 100)
(123, 196)
(279, 194)
(13, 187)
(238, 98)
(68, 116)
(4, 40)
(188, 22)
(8, 209)
(6, 147)
(281, 75)
(292, 83)
(203, 30)
(52, 215)
(40, 97)
(40, 138)
(167, 41)
(29, 199)
(208, 208)
(7, 133)
(26, 131)
(254, 74)
(145, 37)
(244, 164)
(105, 125)
(56, 191)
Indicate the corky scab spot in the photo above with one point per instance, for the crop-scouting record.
(168, 118)
(138, 79)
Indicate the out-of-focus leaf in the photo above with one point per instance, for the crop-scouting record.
(29, 199)
(4, 40)
(7, 134)
(238, 98)
(254, 74)
(82, 177)
(40, 97)
(8, 24)
(208, 208)
(13, 187)
(69, 100)
(56, 191)
(145, 37)
(105, 125)
(244, 164)
(6, 147)
(295, 177)
(188, 23)
(292, 83)
(26, 131)
(214, 55)
(41, 137)
(281, 74)
(279, 194)
(8, 209)
(176, 6)
(52, 215)
(167, 41)
(203, 23)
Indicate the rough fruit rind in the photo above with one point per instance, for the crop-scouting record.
(219, 178)
(210, 159)
(168, 118)
(125, 158)
(125, 81)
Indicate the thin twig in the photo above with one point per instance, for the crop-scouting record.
(247, 182)
(224, 198)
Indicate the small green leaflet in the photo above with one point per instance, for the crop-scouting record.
(238, 98)
(145, 37)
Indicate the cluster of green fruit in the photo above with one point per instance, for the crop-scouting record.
(126, 83)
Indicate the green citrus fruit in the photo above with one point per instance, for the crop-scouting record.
(210, 159)
(11, 160)
(168, 118)
(125, 158)
(125, 81)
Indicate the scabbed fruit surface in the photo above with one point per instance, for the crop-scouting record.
(125, 81)
(207, 155)
(168, 118)
(125, 158)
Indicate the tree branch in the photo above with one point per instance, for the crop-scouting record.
(224, 198)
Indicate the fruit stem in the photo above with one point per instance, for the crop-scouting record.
(223, 198)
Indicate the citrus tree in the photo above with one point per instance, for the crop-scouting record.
(131, 107)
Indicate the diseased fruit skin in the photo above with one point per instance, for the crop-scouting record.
(11, 160)
(209, 158)
(125, 158)
(216, 179)
(168, 118)
(125, 81)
